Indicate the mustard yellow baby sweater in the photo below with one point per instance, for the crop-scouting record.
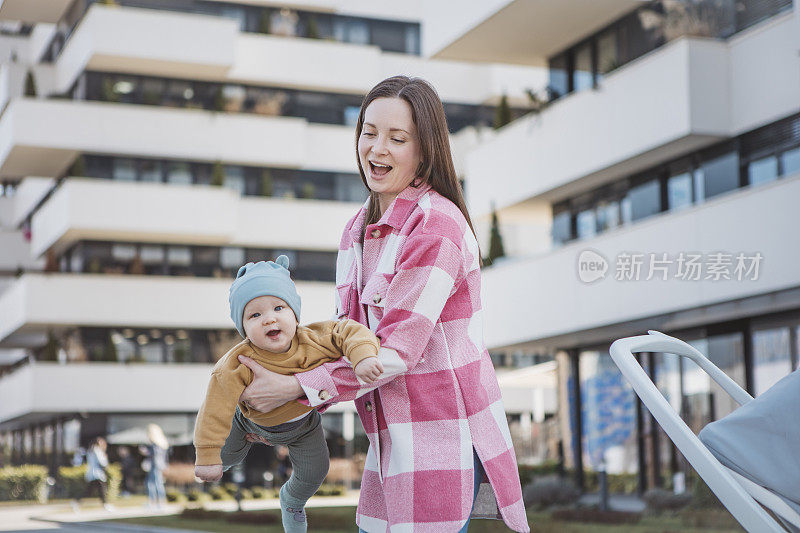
(312, 346)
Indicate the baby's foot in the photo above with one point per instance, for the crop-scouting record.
(293, 516)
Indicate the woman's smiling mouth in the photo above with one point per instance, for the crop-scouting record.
(378, 169)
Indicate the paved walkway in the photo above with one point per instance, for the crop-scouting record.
(61, 517)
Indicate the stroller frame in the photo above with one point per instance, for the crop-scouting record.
(738, 494)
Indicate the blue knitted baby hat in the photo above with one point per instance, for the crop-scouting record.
(265, 278)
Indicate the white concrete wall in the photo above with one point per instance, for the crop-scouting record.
(676, 93)
(95, 209)
(28, 148)
(103, 387)
(131, 39)
(536, 298)
(15, 252)
(211, 48)
(38, 301)
(27, 196)
(668, 102)
(765, 73)
(442, 24)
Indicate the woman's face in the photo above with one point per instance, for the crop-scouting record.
(388, 148)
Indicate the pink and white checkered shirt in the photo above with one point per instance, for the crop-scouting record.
(417, 284)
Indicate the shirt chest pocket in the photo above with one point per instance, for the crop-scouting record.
(343, 297)
(373, 297)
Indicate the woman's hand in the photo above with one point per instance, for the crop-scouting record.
(268, 389)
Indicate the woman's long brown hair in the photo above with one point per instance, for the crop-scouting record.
(436, 164)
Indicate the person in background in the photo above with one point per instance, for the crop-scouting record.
(96, 477)
(128, 464)
(154, 463)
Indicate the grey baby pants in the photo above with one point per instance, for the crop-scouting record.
(305, 440)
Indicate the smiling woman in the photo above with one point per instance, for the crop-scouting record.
(409, 269)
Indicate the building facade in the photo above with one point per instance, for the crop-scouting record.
(653, 187)
(147, 150)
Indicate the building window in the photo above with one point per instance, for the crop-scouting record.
(607, 52)
(790, 161)
(645, 200)
(607, 216)
(562, 227)
(559, 75)
(679, 191)
(582, 73)
(719, 175)
(772, 357)
(762, 170)
(586, 224)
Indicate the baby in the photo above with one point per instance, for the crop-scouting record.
(265, 308)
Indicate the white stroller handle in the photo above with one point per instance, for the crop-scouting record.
(732, 495)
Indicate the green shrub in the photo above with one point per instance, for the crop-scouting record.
(528, 473)
(26, 482)
(550, 490)
(247, 494)
(199, 496)
(175, 496)
(259, 492)
(330, 490)
(219, 493)
(660, 500)
(72, 480)
(230, 487)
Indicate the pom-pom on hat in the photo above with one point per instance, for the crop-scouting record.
(265, 278)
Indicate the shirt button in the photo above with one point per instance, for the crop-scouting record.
(376, 298)
(368, 406)
(376, 233)
(324, 395)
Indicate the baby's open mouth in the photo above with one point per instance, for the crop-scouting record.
(273, 333)
(379, 170)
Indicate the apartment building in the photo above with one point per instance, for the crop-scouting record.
(653, 187)
(147, 150)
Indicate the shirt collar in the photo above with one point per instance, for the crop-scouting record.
(397, 213)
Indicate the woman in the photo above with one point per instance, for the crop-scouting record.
(96, 478)
(408, 268)
(154, 463)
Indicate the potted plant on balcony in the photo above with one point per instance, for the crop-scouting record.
(496, 249)
(217, 174)
(266, 182)
(502, 115)
(30, 85)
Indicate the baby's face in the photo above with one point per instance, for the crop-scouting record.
(269, 323)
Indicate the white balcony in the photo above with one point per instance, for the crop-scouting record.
(538, 299)
(672, 101)
(52, 388)
(96, 209)
(36, 302)
(147, 41)
(514, 31)
(151, 42)
(43, 137)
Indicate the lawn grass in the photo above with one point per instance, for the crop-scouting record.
(342, 520)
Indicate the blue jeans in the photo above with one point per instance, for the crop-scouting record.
(154, 482)
(476, 485)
